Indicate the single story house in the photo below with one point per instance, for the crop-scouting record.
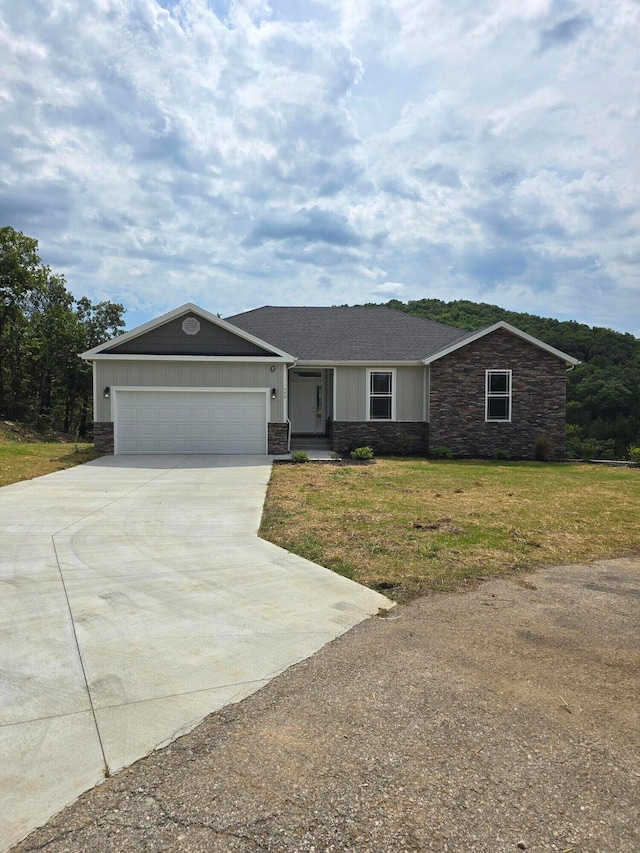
(191, 382)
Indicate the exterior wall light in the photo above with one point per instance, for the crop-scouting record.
(106, 393)
(273, 394)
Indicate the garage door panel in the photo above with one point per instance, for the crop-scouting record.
(164, 446)
(164, 430)
(255, 431)
(184, 430)
(191, 422)
(129, 430)
(202, 415)
(201, 430)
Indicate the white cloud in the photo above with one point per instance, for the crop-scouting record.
(391, 289)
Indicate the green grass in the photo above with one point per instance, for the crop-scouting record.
(409, 525)
(22, 458)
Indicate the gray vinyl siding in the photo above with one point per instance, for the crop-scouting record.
(352, 393)
(410, 390)
(188, 374)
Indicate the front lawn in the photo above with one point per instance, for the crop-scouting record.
(23, 457)
(406, 526)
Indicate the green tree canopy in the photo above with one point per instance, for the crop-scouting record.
(42, 330)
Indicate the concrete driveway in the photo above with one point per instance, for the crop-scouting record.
(136, 598)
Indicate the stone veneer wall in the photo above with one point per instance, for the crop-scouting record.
(393, 437)
(538, 394)
(103, 436)
(278, 439)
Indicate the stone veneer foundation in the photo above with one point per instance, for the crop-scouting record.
(103, 436)
(278, 438)
(384, 437)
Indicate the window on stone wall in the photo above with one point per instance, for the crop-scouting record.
(498, 395)
(381, 399)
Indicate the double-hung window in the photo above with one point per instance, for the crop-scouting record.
(498, 395)
(380, 397)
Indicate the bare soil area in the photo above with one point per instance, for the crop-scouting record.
(497, 720)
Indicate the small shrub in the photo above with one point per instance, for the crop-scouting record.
(634, 455)
(588, 448)
(502, 455)
(407, 444)
(593, 448)
(300, 456)
(362, 454)
(573, 442)
(442, 453)
(542, 447)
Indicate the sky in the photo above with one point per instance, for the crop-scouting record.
(237, 153)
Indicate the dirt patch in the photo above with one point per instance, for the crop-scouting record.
(497, 720)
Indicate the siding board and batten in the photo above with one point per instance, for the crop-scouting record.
(410, 388)
(187, 374)
(351, 393)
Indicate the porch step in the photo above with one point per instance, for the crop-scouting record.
(310, 442)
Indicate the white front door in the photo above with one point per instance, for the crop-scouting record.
(306, 402)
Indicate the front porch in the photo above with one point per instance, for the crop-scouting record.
(310, 407)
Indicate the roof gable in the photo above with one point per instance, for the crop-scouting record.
(187, 331)
(474, 336)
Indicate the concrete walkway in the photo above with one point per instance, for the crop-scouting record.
(135, 599)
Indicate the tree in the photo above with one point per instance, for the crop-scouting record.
(42, 331)
(97, 323)
(22, 274)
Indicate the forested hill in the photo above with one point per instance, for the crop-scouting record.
(603, 410)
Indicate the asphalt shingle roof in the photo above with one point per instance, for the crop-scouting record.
(347, 334)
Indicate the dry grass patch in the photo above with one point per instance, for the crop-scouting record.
(406, 525)
(23, 456)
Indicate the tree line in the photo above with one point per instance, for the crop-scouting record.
(603, 391)
(43, 327)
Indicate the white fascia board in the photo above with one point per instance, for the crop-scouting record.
(187, 308)
(254, 359)
(360, 363)
(563, 356)
(199, 389)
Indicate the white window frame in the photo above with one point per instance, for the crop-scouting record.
(392, 372)
(491, 395)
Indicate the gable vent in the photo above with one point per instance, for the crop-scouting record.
(190, 326)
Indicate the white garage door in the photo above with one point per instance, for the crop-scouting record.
(190, 421)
